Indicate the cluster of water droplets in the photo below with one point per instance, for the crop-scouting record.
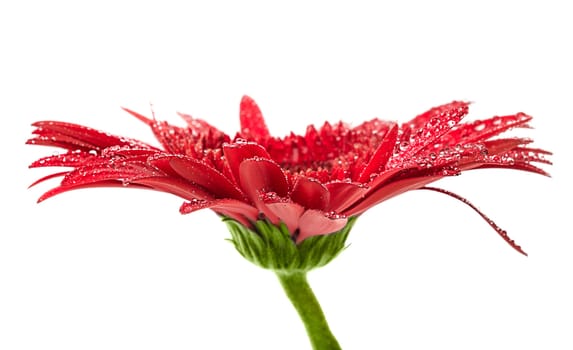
(271, 197)
(68, 159)
(193, 205)
(334, 215)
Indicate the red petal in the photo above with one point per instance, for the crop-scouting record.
(310, 193)
(260, 180)
(62, 141)
(124, 172)
(253, 125)
(61, 189)
(259, 176)
(288, 213)
(344, 194)
(502, 145)
(515, 166)
(437, 122)
(388, 191)
(484, 129)
(315, 223)
(139, 116)
(238, 210)
(48, 177)
(200, 126)
(381, 155)
(422, 119)
(205, 176)
(68, 159)
(84, 134)
(237, 152)
(174, 186)
(502, 233)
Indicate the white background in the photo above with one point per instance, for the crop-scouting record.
(121, 269)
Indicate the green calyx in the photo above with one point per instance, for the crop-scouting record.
(271, 247)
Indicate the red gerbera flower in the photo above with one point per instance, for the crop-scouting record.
(312, 183)
(290, 202)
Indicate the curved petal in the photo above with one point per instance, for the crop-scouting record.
(310, 193)
(436, 122)
(515, 166)
(259, 176)
(481, 130)
(315, 223)
(62, 141)
(205, 176)
(498, 146)
(48, 177)
(175, 186)
(122, 171)
(262, 179)
(382, 154)
(62, 189)
(237, 152)
(141, 117)
(83, 135)
(238, 210)
(376, 196)
(502, 233)
(288, 213)
(422, 119)
(344, 194)
(253, 125)
(68, 159)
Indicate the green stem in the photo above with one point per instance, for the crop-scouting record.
(300, 294)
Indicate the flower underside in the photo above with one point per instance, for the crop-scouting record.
(311, 183)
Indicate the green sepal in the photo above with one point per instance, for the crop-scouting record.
(271, 247)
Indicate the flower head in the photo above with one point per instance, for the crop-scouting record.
(312, 183)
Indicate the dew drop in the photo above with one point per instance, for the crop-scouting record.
(269, 197)
(334, 215)
(508, 160)
(193, 205)
(479, 127)
(434, 122)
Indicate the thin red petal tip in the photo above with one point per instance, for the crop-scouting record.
(139, 116)
(501, 232)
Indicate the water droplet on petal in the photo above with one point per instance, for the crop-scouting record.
(434, 122)
(334, 215)
(269, 197)
(479, 127)
(508, 160)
